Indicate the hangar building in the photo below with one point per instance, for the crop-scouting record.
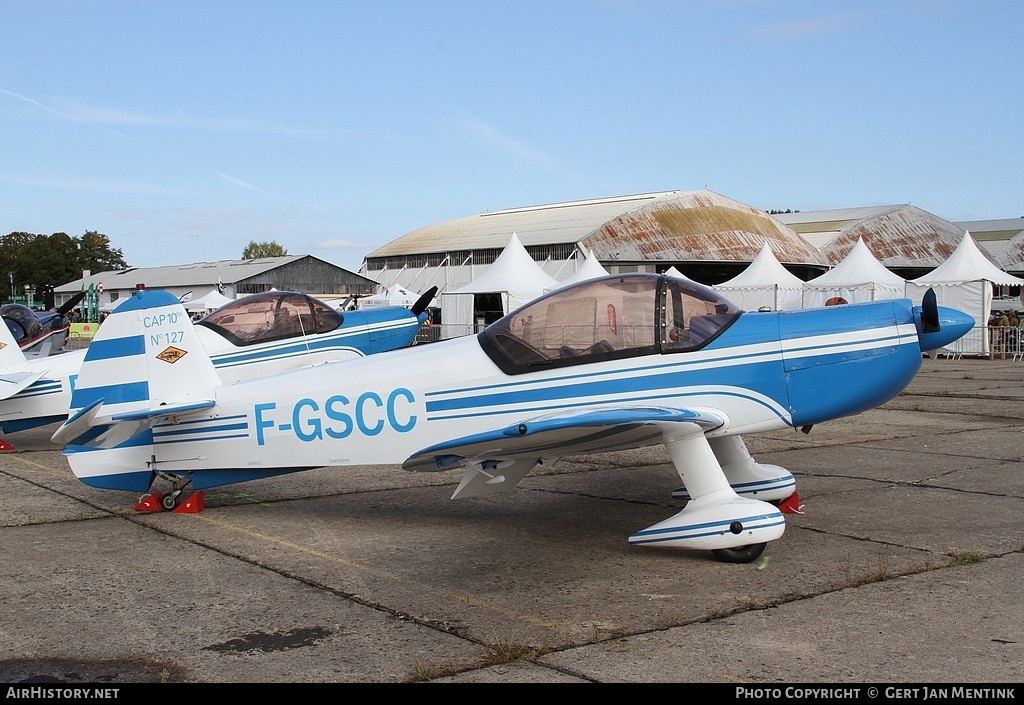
(704, 235)
(907, 240)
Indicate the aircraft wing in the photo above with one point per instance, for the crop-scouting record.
(499, 458)
(13, 382)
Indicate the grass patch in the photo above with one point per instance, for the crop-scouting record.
(422, 673)
(502, 652)
(509, 651)
(965, 557)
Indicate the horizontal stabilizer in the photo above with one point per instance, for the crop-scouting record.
(13, 382)
(78, 424)
(164, 411)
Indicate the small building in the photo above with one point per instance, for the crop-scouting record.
(233, 278)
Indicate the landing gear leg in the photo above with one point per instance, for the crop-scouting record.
(734, 528)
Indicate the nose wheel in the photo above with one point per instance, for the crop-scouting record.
(740, 554)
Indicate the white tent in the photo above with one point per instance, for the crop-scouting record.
(673, 272)
(859, 277)
(964, 282)
(512, 280)
(590, 269)
(389, 296)
(765, 282)
(210, 302)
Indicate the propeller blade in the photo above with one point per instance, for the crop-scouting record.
(422, 302)
(929, 312)
(71, 303)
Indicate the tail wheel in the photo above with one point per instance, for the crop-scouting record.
(740, 554)
(171, 500)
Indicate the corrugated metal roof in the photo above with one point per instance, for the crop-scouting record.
(533, 225)
(195, 274)
(830, 226)
(1013, 225)
(899, 236)
(1003, 236)
(836, 214)
(697, 226)
(668, 226)
(819, 228)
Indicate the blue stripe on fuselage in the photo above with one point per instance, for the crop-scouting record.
(759, 373)
(748, 361)
(234, 359)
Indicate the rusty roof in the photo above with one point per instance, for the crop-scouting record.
(899, 236)
(669, 226)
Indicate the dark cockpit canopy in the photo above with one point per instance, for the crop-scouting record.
(272, 315)
(22, 322)
(607, 317)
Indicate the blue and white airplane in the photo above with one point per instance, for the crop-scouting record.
(607, 364)
(256, 335)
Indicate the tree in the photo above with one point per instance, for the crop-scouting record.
(96, 254)
(13, 269)
(51, 261)
(256, 250)
(45, 261)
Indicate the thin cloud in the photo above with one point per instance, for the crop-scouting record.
(60, 113)
(246, 185)
(476, 130)
(99, 117)
(179, 120)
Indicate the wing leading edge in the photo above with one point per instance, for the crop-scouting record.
(498, 459)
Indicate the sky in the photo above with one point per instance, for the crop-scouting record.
(183, 130)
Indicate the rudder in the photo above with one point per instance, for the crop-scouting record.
(145, 354)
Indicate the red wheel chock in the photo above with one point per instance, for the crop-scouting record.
(791, 504)
(150, 503)
(193, 504)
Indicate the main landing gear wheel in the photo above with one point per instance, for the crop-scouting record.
(740, 554)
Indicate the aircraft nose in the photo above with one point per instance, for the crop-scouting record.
(953, 325)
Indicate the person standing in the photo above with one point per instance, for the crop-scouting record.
(1002, 326)
(1013, 334)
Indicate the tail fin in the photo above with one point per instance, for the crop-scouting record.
(15, 371)
(145, 363)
